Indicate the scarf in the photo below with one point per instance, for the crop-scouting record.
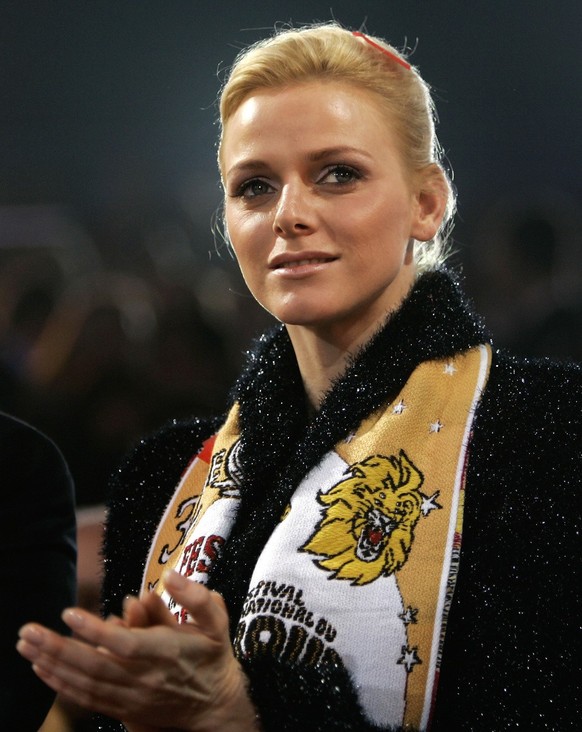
(367, 538)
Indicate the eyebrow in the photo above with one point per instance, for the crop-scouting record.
(330, 152)
(246, 165)
(250, 166)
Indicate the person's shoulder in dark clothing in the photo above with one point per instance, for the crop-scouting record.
(37, 542)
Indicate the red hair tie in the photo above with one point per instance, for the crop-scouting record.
(385, 51)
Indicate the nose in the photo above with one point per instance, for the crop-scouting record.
(294, 213)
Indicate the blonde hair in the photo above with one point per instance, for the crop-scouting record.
(330, 52)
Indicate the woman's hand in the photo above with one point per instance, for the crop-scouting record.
(146, 669)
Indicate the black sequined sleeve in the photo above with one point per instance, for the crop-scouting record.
(139, 493)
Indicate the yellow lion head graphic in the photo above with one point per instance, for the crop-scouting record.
(368, 522)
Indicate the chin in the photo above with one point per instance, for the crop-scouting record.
(301, 313)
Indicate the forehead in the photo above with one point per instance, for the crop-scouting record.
(313, 114)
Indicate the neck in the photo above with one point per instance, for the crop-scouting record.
(323, 356)
(324, 351)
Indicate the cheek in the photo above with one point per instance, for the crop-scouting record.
(396, 220)
(235, 232)
(229, 222)
(243, 227)
(387, 220)
(244, 242)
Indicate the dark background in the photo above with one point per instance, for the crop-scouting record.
(118, 310)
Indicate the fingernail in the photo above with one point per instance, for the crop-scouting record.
(73, 618)
(128, 600)
(171, 578)
(32, 634)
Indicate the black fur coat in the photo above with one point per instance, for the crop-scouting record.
(511, 657)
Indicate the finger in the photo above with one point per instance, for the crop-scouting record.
(88, 676)
(51, 653)
(208, 612)
(135, 614)
(157, 610)
(115, 620)
(122, 641)
(110, 698)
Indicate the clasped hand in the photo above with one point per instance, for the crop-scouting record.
(146, 669)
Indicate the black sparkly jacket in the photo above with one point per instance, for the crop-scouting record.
(511, 657)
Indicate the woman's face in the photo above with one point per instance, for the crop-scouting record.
(319, 207)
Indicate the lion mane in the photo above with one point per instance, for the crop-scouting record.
(367, 528)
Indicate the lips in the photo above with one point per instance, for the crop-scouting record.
(302, 260)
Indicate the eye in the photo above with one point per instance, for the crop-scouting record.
(340, 175)
(253, 188)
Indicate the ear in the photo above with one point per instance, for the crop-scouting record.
(432, 196)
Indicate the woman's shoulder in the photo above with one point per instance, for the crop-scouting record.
(167, 447)
(538, 382)
(539, 367)
(531, 404)
(138, 494)
(154, 465)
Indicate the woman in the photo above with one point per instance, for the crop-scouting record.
(380, 529)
